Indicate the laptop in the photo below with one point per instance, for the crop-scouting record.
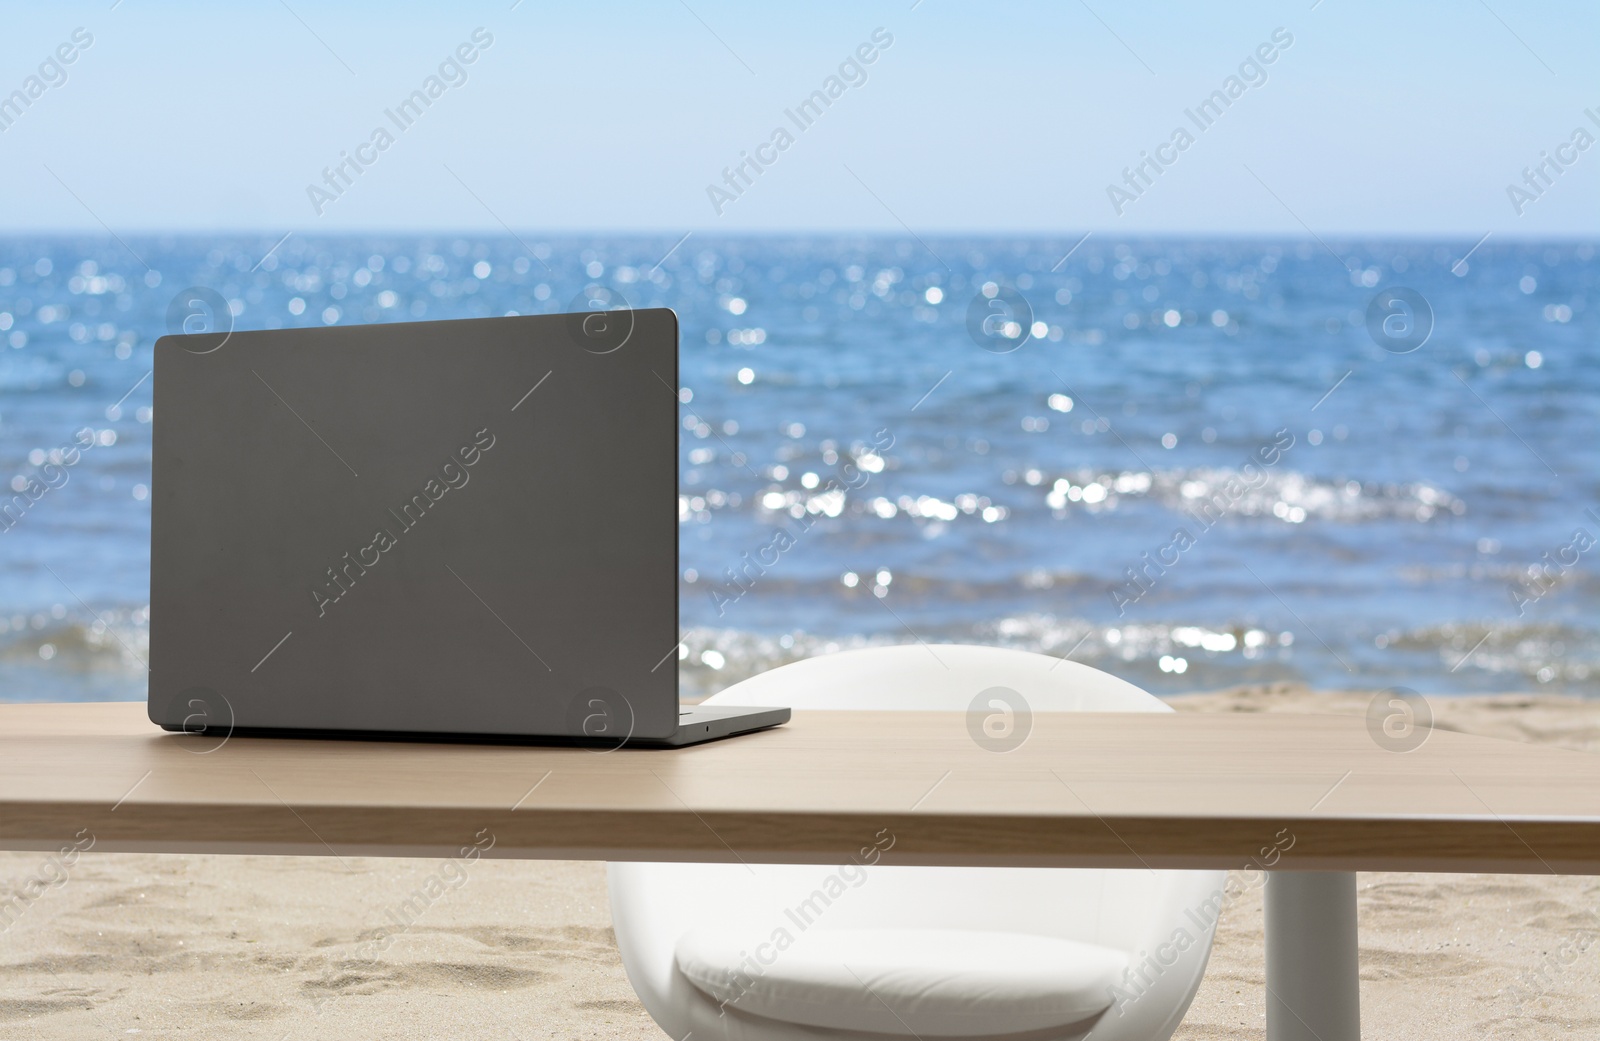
(463, 529)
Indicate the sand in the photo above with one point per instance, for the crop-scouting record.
(274, 948)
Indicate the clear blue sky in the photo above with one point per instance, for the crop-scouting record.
(1379, 118)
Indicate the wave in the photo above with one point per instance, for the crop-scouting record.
(50, 658)
(711, 659)
(117, 639)
(1187, 656)
(1551, 654)
(1289, 497)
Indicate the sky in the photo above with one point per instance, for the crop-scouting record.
(1377, 119)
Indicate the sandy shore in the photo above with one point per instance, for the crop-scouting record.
(272, 948)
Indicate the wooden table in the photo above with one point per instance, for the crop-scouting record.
(1152, 790)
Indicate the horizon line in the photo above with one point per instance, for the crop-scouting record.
(279, 233)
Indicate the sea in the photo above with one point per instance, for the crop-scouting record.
(1193, 463)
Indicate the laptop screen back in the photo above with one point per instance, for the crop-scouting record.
(443, 527)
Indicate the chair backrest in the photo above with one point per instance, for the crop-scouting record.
(1137, 911)
(937, 677)
(1110, 907)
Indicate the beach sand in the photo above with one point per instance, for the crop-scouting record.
(273, 948)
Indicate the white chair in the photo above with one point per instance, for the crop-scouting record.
(811, 953)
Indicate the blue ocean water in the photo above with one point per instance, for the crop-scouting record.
(1191, 463)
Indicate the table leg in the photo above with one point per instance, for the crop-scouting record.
(1313, 985)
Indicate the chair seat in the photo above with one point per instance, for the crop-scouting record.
(909, 982)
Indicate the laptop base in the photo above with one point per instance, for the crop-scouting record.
(696, 725)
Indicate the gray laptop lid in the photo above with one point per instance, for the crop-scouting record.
(448, 527)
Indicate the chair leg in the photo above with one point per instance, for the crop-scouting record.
(1313, 982)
